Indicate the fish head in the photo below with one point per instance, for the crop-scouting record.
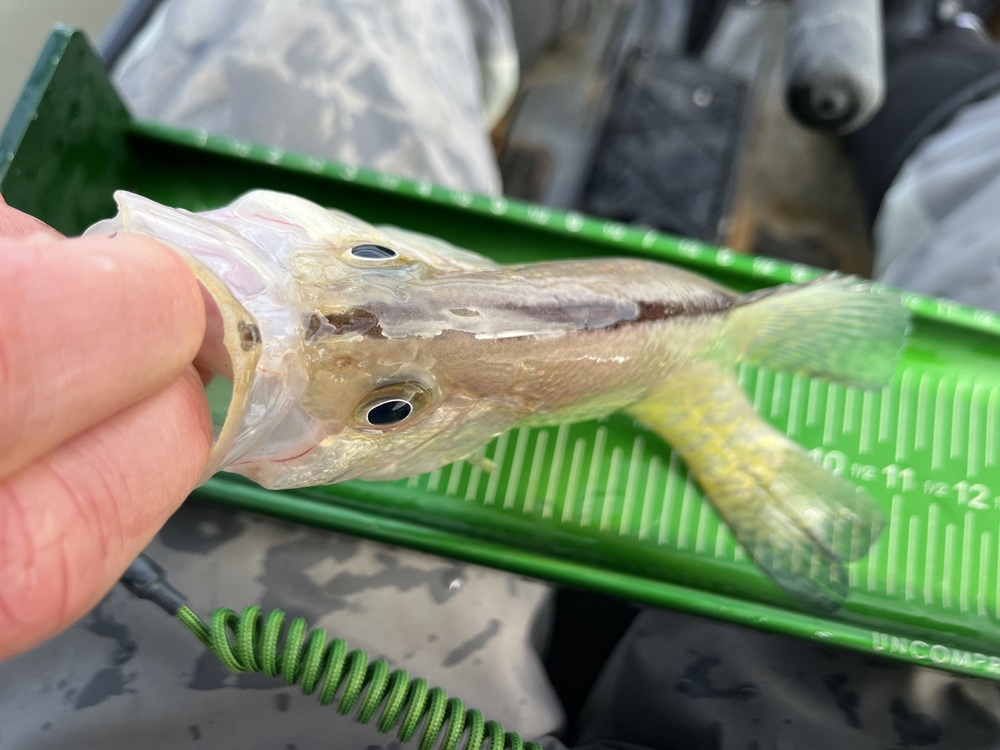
(350, 322)
(319, 395)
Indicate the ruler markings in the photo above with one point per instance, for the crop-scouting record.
(555, 471)
(958, 436)
(434, 480)
(849, 407)
(949, 562)
(933, 515)
(517, 466)
(668, 497)
(794, 401)
(494, 481)
(607, 497)
(634, 464)
(903, 416)
(937, 431)
(778, 398)
(740, 554)
(867, 411)
(920, 442)
(761, 388)
(474, 478)
(883, 421)
(650, 499)
(991, 428)
(596, 460)
(893, 562)
(742, 375)
(684, 524)
(535, 473)
(573, 487)
(454, 478)
(963, 589)
(812, 403)
(831, 404)
(911, 559)
(985, 571)
(720, 541)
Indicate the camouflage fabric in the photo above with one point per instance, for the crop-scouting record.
(402, 87)
(936, 230)
(129, 676)
(677, 681)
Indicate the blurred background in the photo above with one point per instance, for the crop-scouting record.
(24, 26)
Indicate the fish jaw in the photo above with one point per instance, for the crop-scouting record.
(248, 313)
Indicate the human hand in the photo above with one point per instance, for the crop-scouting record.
(104, 426)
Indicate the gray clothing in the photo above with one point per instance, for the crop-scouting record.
(408, 88)
(937, 230)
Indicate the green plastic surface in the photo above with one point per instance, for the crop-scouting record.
(601, 505)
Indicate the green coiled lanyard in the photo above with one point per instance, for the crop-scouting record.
(250, 642)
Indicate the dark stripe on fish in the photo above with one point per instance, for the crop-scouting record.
(650, 312)
(656, 312)
(357, 321)
(350, 322)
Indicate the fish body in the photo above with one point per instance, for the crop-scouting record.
(522, 345)
(361, 352)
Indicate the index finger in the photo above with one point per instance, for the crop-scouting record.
(88, 327)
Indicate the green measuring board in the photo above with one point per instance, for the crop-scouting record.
(603, 505)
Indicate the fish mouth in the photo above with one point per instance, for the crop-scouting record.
(231, 350)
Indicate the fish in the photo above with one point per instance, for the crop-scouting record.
(378, 353)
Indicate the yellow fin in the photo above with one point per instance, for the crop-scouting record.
(797, 521)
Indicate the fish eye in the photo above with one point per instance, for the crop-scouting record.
(393, 411)
(392, 404)
(372, 252)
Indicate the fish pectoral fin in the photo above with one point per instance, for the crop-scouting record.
(796, 520)
(836, 327)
